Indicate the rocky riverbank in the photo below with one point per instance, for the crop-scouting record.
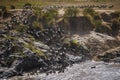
(27, 48)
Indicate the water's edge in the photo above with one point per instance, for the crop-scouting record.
(89, 70)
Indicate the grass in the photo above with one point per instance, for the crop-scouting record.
(8, 37)
(18, 3)
(34, 49)
(22, 28)
(74, 42)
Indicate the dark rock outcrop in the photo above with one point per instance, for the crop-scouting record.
(106, 17)
(112, 55)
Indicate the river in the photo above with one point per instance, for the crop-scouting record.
(89, 70)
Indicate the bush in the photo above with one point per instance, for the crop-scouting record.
(71, 12)
(97, 23)
(74, 44)
(27, 6)
(0, 13)
(115, 27)
(103, 29)
(115, 14)
(93, 17)
(21, 28)
(12, 7)
(34, 49)
(49, 17)
(37, 25)
(3, 11)
(3, 8)
(89, 11)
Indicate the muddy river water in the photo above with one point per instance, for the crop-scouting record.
(89, 70)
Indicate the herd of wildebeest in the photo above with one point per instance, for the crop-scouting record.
(101, 6)
(58, 55)
(56, 52)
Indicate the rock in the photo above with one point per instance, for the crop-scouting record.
(93, 67)
(115, 15)
(94, 43)
(106, 17)
(74, 58)
(25, 63)
(41, 45)
(8, 73)
(112, 55)
(3, 32)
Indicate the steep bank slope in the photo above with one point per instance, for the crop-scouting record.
(102, 22)
(77, 25)
(26, 47)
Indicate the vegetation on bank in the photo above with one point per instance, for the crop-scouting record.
(71, 12)
(26, 43)
(48, 17)
(108, 27)
(91, 14)
(34, 49)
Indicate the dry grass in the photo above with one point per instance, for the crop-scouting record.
(20, 3)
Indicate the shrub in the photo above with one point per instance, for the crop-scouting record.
(115, 14)
(93, 17)
(49, 17)
(34, 49)
(12, 7)
(74, 44)
(3, 8)
(10, 38)
(21, 28)
(104, 29)
(71, 12)
(3, 11)
(89, 11)
(37, 25)
(97, 23)
(115, 27)
(0, 13)
(27, 6)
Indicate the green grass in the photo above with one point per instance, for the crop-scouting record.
(33, 49)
